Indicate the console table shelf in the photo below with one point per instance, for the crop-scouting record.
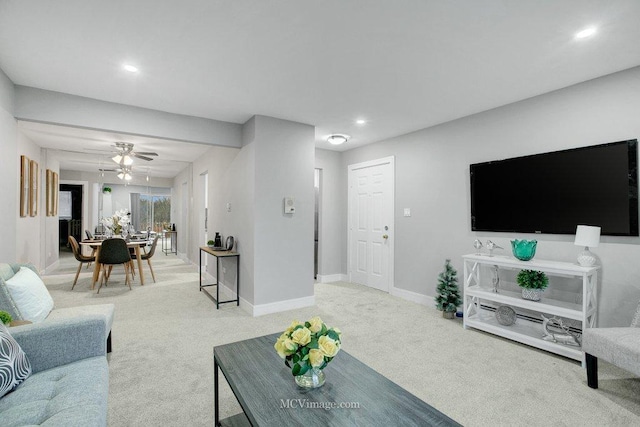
(480, 299)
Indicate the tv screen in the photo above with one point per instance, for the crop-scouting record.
(554, 192)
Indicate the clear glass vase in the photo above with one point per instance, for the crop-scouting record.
(313, 378)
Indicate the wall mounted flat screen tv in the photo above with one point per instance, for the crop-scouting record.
(554, 192)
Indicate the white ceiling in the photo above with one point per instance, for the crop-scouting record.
(91, 150)
(401, 65)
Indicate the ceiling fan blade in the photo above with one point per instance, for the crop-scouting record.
(145, 153)
(143, 157)
(109, 170)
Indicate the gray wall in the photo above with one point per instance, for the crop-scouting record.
(39, 105)
(333, 214)
(28, 245)
(432, 178)
(276, 160)
(9, 161)
(219, 163)
(284, 159)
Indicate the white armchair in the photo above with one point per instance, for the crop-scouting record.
(618, 346)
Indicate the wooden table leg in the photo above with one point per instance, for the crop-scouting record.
(138, 257)
(96, 268)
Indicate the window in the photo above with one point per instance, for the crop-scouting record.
(154, 212)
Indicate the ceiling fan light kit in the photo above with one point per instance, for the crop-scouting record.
(125, 174)
(124, 158)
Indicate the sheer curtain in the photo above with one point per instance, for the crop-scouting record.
(135, 211)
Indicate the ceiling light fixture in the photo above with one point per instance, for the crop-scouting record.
(125, 174)
(130, 68)
(337, 139)
(587, 32)
(361, 121)
(125, 160)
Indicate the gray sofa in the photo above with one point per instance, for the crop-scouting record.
(69, 384)
(7, 304)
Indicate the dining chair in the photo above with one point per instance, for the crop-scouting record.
(88, 234)
(147, 256)
(114, 252)
(83, 259)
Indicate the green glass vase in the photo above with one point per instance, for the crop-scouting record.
(524, 250)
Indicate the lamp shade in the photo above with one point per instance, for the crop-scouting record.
(587, 236)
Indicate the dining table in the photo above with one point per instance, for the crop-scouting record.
(136, 244)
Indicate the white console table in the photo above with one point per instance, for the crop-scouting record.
(479, 297)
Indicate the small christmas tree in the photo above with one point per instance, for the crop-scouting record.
(448, 298)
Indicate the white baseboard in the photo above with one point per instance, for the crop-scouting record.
(262, 309)
(328, 278)
(277, 307)
(413, 296)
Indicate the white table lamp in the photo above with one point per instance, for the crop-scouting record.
(587, 236)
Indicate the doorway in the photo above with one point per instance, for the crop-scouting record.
(371, 221)
(69, 214)
(203, 224)
(316, 220)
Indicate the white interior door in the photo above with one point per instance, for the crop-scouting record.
(370, 223)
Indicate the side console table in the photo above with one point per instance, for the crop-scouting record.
(218, 255)
(170, 242)
(480, 301)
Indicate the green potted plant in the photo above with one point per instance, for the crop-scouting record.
(448, 299)
(532, 282)
(5, 317)
(106, 190)
(210, 243)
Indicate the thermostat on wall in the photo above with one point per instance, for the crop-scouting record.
(289, 205)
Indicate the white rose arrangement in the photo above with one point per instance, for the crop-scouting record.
(308, 345)
(117, 221)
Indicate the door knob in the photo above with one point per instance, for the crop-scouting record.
(385, 236)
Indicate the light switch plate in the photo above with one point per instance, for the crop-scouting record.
(407, 211)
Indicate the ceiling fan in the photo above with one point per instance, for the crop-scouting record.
(125, 173)
(125, 154)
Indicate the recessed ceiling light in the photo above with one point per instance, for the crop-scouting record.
(361, 121)
(337, 139)
(130, 68)
(587, 32)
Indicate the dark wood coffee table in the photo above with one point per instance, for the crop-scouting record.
(269, 396)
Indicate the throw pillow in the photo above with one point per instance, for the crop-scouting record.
(7, 303)
(14, 365)
(30, 295)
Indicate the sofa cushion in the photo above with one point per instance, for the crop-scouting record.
(14, 365)
(30, 295)
(70, 395)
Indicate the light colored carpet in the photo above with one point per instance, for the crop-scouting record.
(161, 367)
